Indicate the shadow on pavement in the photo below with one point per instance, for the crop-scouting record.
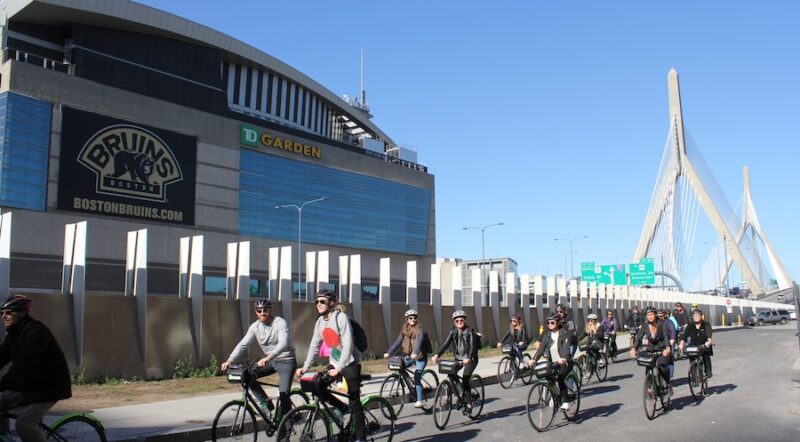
(619, 377)
(402, 427)
(604, 411)
(448, 435)
(719, 389)
(682, 402)
(600, 389)
(518, 410)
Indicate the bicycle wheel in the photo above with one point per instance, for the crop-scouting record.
(665, 398)
(77, 427)
(578, 369)
(649, 396)
(394, 389)
(304, 423)
(429, 383)
(234, 421)
(526, 372)
(586, 369)
(298, 397)
(379, 419)
(541, 406)
(477, 392)
(505, 375)
(442, 404)
(695, 381)
(573, 396)
(601, 371)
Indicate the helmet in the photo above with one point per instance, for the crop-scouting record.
(459, 314)
(561, 307)
(326, 293)
(17, 303)
(517, 318)
(695, 306)
(650, 309)
(411, 312)
(592, 316)
(697, 310)
(263, 303)
(554, 317)
(678, 304)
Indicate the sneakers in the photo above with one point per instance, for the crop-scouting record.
(565, 406)
(418, 404)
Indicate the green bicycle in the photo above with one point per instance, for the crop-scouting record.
(399, 386)
(544, 398)
(655, 388)
(318, 420)
(698, 381)
(237, 418)
(73, 427)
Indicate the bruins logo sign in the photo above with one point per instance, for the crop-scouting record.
(130, 161)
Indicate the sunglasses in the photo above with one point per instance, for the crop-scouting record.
(263, 310)
(458, 320)
(7, 313)
(322, 301)
(411, 318)
(514, 321)
(552, 322)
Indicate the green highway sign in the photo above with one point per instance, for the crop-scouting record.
(607, 274)
(643, 272)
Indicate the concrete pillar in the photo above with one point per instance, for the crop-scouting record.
(5, 254)
(436, 298)
(574, 301)
(136, 280)
(323, 270)
(477, 299)
(310, 285)
(411, 284)
(344, 274)
(538, 294)
(385, 296)
(355, 286)
(74, 277)
(457, 288)
(273, 264)
(511, 293)
(494, 302)
(525, 303)
(285, 283)
(191, 273)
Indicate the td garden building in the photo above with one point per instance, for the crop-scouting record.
(131, 118)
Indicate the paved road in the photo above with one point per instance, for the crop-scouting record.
(755, 395)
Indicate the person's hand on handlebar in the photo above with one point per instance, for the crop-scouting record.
(224, 366)
(385, 355)
(466, 361)
(435, 359)
(299, 372)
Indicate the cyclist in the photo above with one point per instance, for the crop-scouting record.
(273, 336)
(566, 323)
(594, 332)
(462, 341)
(681, 317)
(670, 329)
(698, 332)
(410, 343)
(557, 344)
(334, 329)
(634, 322)
(653, 336)
(516, 336)
(611, 326)
(38, 376)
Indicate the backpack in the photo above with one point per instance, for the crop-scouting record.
(427, 347)
(359, 336)
(476, 340)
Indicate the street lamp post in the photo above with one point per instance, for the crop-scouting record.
(483, 246)
(300, 237)
(571, 259)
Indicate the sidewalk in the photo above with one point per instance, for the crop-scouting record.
(189, 420)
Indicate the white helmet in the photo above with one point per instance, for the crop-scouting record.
(592, 316)
(411, 312)
(459, 314)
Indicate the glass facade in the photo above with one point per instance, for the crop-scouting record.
(360, 211)
(24, 151)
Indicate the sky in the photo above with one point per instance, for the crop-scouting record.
(552, 117)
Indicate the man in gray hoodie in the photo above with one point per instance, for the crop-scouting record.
(273, 335)
(334, 329)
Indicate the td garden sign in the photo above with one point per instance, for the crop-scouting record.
(114, 167)
(253, 137)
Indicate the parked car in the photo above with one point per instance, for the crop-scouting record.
(765, 317)
(784, 314)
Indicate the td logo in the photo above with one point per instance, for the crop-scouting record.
(249, 136)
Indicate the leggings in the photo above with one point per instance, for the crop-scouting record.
(285, 370)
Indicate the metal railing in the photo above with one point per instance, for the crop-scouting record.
(26, 57)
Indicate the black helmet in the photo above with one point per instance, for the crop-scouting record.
(554, 317)
(326, 293)
(263, 303)
(698, 311)
(17, 303)
(561, 307)
(650, 309)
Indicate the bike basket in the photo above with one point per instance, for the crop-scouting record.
(449, 367)
(237, 374)
(506, 349)
(584, 347)
(542, 369)
(693, 350)
(647, 360)
(309, 382)
(395, 363)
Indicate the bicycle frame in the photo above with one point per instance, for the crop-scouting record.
(49, 430)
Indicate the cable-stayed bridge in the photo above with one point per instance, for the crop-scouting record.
(685, 189)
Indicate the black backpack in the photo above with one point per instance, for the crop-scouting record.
(359, 336)
(427, 347)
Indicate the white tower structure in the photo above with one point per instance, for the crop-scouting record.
(685, 185)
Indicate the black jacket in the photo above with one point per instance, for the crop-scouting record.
(634, 322)
(697, 335)
(38, 368)
(513, 336)
(682, 318)
(464, 344)
(657, 343)
(565, 342)
(596, 337)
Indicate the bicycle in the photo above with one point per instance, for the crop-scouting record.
(698, 381)
(316, 421)
(237, 418)
(655, 388)
(450, 394)
(511, 368)
(73, 427)
(593, 363)
(399, 386)
(607, 341)
(544, 397)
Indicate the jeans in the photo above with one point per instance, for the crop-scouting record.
(468, 370)
(285, 370)
(28, 416)
(419, 367)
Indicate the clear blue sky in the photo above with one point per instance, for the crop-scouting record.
(552, 116)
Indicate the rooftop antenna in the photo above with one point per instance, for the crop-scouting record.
(363, 92)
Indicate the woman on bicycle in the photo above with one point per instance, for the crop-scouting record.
(462, 340)
(611, 326)
(410, 343)
(653, 337)
(698, 333)
(557, 344)
(516, 337)
(594, 332)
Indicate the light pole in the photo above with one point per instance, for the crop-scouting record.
(483, 245)
(300, 237)
(571, 260)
